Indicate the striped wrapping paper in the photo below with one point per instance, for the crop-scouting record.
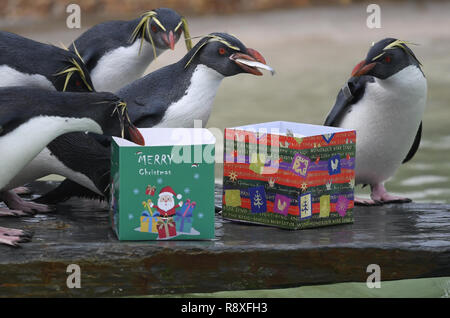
(289, 182)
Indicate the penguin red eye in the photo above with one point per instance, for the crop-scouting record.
(387, 59)
(222, 51)
(154, 28)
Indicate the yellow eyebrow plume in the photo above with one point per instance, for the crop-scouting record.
(212, 38)
(74, 68)
(402, 45)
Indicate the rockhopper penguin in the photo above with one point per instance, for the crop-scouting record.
(384, 101)
(30, 118)
(24, 62)
(118, 52)
(173, 96)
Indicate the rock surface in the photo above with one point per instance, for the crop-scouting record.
(407, 241)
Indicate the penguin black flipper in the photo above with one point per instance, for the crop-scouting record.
(350, 94)
(145, 113)
(415, 145)
(67, 190)
(71, 147)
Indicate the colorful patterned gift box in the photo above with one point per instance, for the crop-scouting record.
(173, 170)
(289, 175)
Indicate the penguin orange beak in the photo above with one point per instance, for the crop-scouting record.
(362, 68)
(169, 40)
(252, 56)
(135, 135)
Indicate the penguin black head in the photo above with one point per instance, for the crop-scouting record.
(386, 58)
(227, 55)
(74, 77)
(162, 28)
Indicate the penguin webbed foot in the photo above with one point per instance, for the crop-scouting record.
(380, 194)
(23, 191)
(9, 212)
(17, 204)
(366, 202)
(13, 237)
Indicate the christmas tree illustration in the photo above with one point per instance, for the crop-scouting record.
(257, 200)
(305, 207)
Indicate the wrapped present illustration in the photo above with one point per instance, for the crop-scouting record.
(155, 181)
(150, 190)
(291, 175)
(149, 218)
(166, 228)
(183, 217)
(148, 222)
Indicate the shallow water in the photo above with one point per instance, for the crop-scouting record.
(438, 287)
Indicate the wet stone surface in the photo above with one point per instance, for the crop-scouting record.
(406, 241)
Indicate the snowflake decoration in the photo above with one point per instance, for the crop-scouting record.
(304, 186)
(200, 215)
(187, 190)
(136, 191)
(130, 216)
(160, 180)
(233, 176)
(196, 176)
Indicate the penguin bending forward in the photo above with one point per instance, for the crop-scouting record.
(117, 53)
(24, 62)
(173, 96)
(384, 101)
(25, 130)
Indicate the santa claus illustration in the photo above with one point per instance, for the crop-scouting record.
(166, 202)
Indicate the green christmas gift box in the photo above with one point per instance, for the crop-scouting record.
(164, 190)
(289, 175)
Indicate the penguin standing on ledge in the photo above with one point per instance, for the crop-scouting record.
(118, 52)
(384, 102)
(24, 62)
(173, 96)
(25, 130)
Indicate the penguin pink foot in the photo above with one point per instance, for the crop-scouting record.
(13, 237)
(380, 194)
(22, 190)
(13, 201)
(366, 202)
(9, 212)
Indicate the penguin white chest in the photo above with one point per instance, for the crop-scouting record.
(20, 146)
(12, 77)
(197, 102)
(121, 66)
(386, 120)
